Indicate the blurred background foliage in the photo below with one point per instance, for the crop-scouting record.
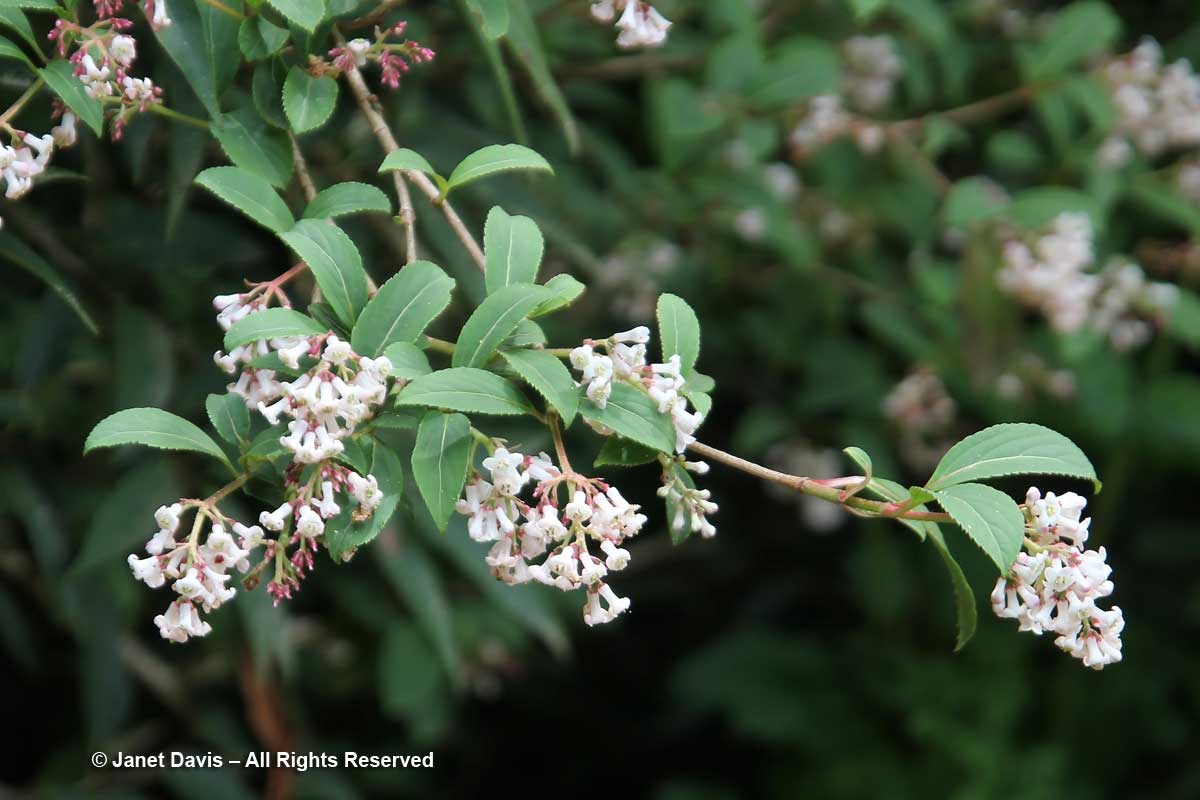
(780, 659)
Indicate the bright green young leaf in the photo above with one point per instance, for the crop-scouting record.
(465, 389)
(635, 416)
(59, 75)
(548, 377)
(493, 320)
(305, 13)
(342, 534)
(152, 427)
(229, 416)
(402, 308)
(16, 251)
(619, 452)
(492, 16)
(405, 159)
(408, 360)
(513, 246)
(271, 323)
(860, 457)
(252, 145)
(439, 462)
(895, 493)
(965, 612)
(565, 289)
(250, 194)
(335, 263)
(990, 518)
(494, 159)
(678, 331)
(343, 199)
(259, 39)
(524, 40)
(1014, 448)
(308, 101)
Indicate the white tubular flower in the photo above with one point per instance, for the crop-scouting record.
(64, 132)
(604, 11)
(541, 468)
(276, 520)
(291, 356)
(336, 351)
(618, 558)
(579, 509)
(360, 48)
(161, 542)
(123, 49)
(365, 491)
(638, 335)
(148, 570)
(191, 588)
(641, 26)
(309, 523)
(327, 506)
(593, 571)
(167, 517)
(220, 551)
(181, 622)
(157, 9)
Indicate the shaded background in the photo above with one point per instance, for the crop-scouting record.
(772, 661)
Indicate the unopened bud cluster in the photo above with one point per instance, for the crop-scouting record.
(1055, 583)
(393, 58)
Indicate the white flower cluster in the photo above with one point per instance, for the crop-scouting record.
(596, 514)
(1048, 274)
(689, 507)
(824, 121)
(624, 359)
(1055, 587)
(640, 23)
(253, 385)
(1158, 108)
(108, 78)
(20, 165)
(872, 68)
(199, 572)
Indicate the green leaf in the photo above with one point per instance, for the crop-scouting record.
(34, 5)
(59, 76)
(124, 516)
(229, 416)
(271, 323)
(1074, 33)
(865, 9)
(1014, 448)
(250, 144)
(266, 88)
(308, 101)
(402, 308)
(973, 200)
(342, 535)
(549, 378)
(266, 446)
(152, 427)
(16, 251)
(405, 159)
(632, 414)
(13, 18)
(620, 452)
(492, 16)
(494, 319)
(513, 247)
(1183, 319)
(527, 334)
(860, 457)
(408, 360)
(250, 194)
(525, 43)
(990, 518)
(465, 389)
(259, 39)
(678, 331)
(565, 290)
(12, 51)
(1163, 200)
(966, 615)
(203, 43)
(305, 13)
(439, 462)
(802, 67)
(1035, 207)
(417, 579)
(494, 159)
(335, 263)
(895, 493)
(346, 198)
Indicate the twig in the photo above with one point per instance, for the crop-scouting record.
(379, 127)
(302, 174)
